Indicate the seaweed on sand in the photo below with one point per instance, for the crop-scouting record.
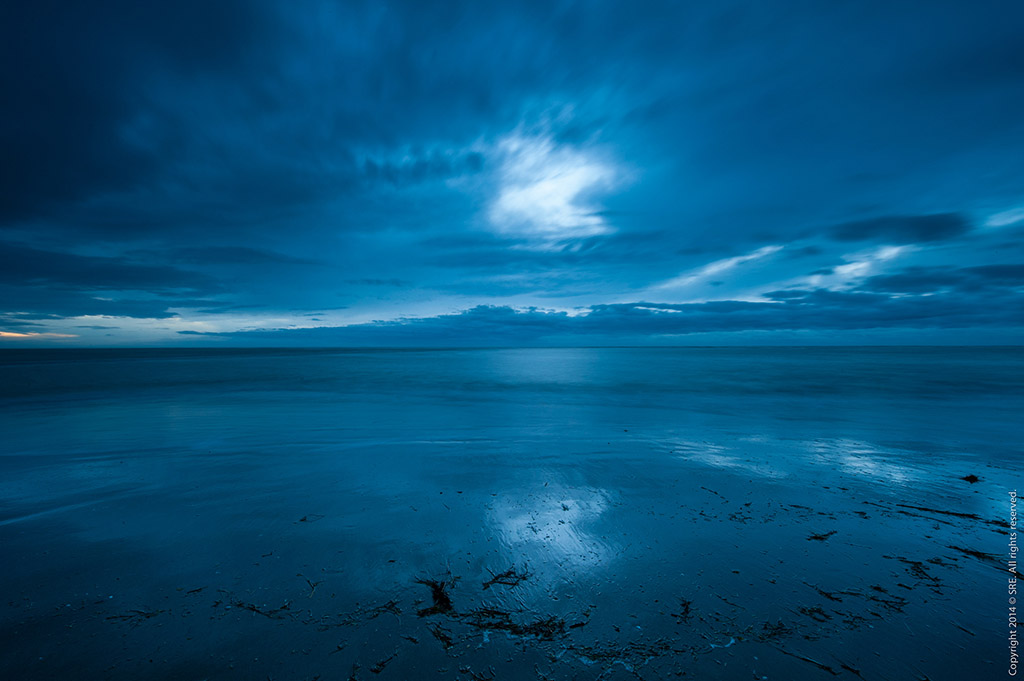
(442, 602)
(821, 537)
(974, 554)
(359, 615)
(771, 631)
(832, 595)
(441, 635)
(816, 613)
(489, 675)
(955, 514)
(510, 577)
(381, 664)
(633, 655)
(893, 603)
(819, 665)
(271, 613)
(917, 570)
(492, 619)
(988, 557)
(685, 609)
(135, 617)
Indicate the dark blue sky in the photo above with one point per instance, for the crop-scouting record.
(250, 173)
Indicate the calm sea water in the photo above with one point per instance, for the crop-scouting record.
(723, 513)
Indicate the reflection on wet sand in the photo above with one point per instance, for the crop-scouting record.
(549, 526)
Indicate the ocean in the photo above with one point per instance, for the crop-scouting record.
(569, 513)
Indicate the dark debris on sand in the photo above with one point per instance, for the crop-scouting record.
(486, 618)
(442, 635)
(821, 537)
(491, 619)
(510, 577)
(360, 615)
(379, 666)
(270, 613)
(442, 602)
(986, 557)
(135, 617)
(771, 631)
(685, 610)
(458, 624)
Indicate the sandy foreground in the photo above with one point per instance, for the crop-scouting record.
(270, 535)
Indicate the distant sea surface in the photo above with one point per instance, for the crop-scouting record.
(729, 513)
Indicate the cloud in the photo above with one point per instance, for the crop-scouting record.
(903, 229)
(24, 265)
(14, 335)
(234, 255)
(964, 279)
(13, 321)
(546, 191)
(44, 303)
(412, 168)
(192, 159)
(378, 282)
(718, 267)
(66, 125)
(51, 283)
(1005, 218)
(661, 323)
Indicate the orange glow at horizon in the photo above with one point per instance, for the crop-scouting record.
(14, 334)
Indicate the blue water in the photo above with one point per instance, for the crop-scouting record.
(725, 513)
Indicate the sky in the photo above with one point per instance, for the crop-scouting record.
(246, 173)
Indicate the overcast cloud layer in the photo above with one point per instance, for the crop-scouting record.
(256, 173)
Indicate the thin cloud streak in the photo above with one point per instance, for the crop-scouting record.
(716, 268)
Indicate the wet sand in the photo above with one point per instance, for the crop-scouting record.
(254, 532)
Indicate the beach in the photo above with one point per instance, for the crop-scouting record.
(564, 513)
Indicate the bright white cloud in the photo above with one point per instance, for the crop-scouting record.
(546, 191)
